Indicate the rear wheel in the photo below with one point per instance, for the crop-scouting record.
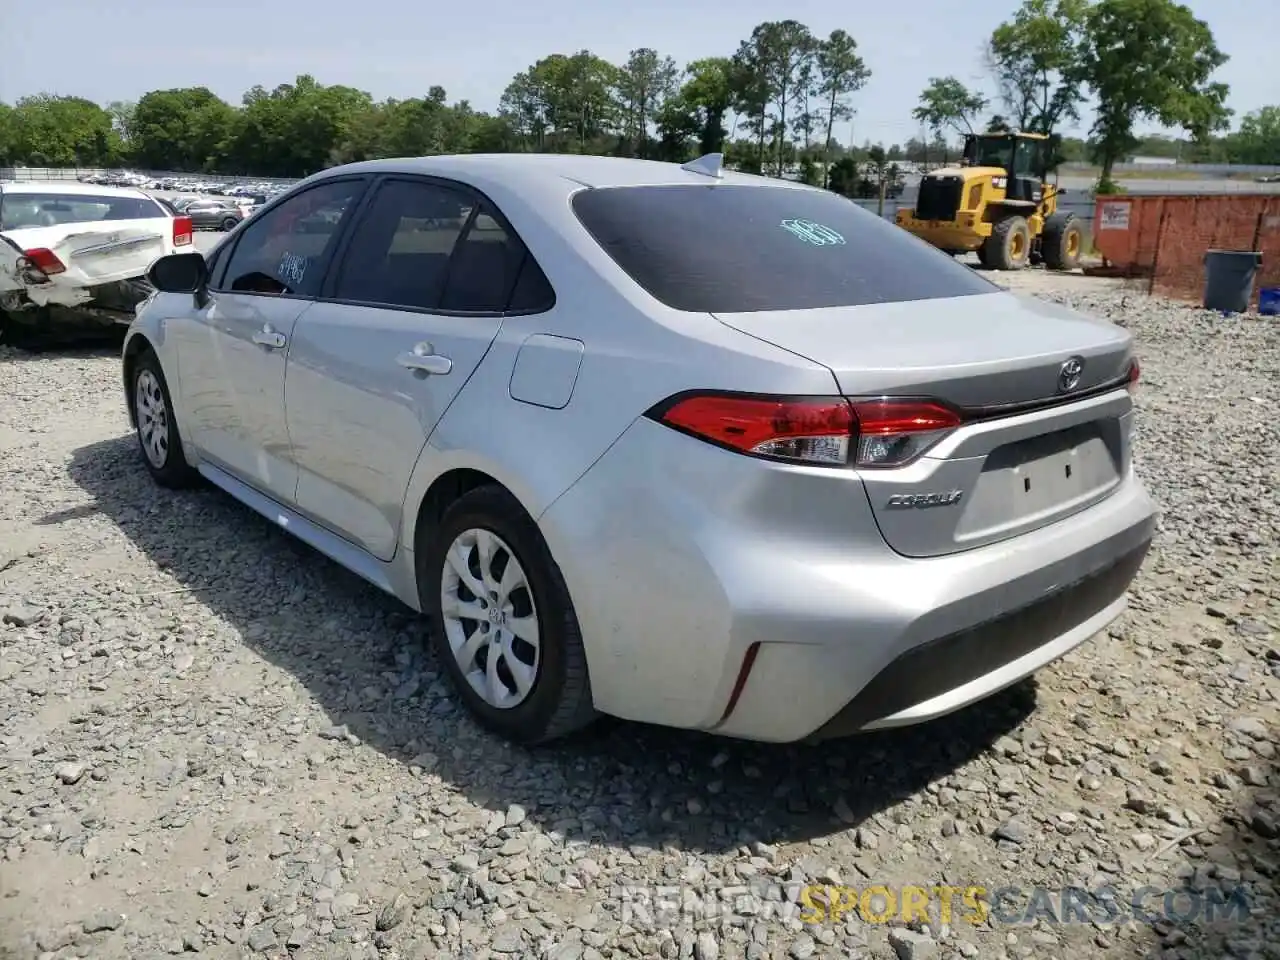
(1062, 242)
(502, 622)
(1009, 246)
(229, 223)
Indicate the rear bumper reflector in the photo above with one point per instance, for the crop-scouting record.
(748, 661)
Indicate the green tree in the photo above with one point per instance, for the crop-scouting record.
(1152, 60)
(181, 129)
(294, 130)
(1035, 58)
(417, 127)
(55, 131)
(750, 83)
(784, 53)
(8, 148)
(564, 102)
(644, 83)
(1258, 139)
(842, 72)
(843, 176)
(693, 118)
(947, 104)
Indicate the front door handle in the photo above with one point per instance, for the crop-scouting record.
(266, 337)
(422, 358)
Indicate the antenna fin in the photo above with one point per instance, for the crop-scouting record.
(711, 165)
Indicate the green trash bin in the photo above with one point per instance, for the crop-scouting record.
(1229, 276)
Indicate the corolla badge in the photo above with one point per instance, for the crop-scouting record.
(908, 501)
(1069, 374)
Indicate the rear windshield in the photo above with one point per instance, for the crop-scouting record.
(731, 248)
(22, 210)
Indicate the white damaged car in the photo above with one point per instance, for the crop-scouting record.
(74, 255)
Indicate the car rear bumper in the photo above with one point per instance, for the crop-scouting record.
(686, 563)
(70, 308)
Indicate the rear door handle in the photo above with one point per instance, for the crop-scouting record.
(422, 358)
(267, 337)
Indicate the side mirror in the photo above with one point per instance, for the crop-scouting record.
(180, 273)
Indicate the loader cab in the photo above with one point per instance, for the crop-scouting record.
(1026, 159)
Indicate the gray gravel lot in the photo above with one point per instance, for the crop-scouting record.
(217, 742)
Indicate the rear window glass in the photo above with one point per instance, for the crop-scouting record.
(730, 248)
(23, 210)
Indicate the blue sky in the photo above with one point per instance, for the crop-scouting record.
(118, 49)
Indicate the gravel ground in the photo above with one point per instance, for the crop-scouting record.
(217, 742)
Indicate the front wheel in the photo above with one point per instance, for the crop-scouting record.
(1062, 242)
(1009, 246)
(229, 223)
(156, 426)
(502, 622)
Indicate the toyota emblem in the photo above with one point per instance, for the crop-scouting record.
(1069, 374)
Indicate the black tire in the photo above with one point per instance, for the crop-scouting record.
(982, 257)
(229, 223)
(1062, 242)
(1009, 246)
(559, 701)
(171, 470)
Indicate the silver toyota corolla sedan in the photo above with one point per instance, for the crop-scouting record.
(664, 442)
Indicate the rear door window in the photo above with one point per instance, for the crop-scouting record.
(735, 248)
(400, 249)
(484, 268)
(425, 245)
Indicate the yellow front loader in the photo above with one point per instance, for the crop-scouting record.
(997, 203)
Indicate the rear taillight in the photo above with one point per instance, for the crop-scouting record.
(41, 260)
(1135, 371)
(805, 430)
(893, 432)
(823, 431)
(182, 231)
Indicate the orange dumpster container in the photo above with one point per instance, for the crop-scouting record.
(1126, 228)
(1165, 236)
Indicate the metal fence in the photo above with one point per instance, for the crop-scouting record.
(75, 173)
(1203, 169)
(1082, 206)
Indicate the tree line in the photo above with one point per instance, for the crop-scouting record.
(774, 105)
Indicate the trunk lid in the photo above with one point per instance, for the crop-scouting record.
(96, 253)
(977, 351)
(1027, 456)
